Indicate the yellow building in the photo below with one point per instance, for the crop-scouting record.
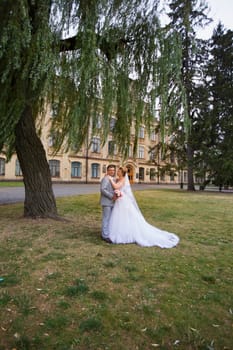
(89, 164)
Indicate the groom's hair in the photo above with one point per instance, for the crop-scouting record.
(111, 166)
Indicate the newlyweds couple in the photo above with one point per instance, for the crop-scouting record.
(122, 220)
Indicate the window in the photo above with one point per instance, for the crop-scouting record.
(112, 148)
(95, 145)
(130, 151)
(185, 176)
(153, 135)
(54, 166)
(50, 141)
(18, 171)
(141, 174)
(2, 166)
(99, 122)
(152, 155)
(140, 152)
(75, 148)
(152, 174)
(172, 157)
(141, 132)
(162, 176)
(95, 170)
(112, 124)
(76, 169)
(172, 176)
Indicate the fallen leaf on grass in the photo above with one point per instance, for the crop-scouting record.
(193, 329)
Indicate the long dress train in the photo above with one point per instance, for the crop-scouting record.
(127, 224)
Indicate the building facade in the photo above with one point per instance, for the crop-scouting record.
(89, 164)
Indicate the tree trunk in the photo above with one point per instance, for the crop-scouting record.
(39, 197)
(190, 186)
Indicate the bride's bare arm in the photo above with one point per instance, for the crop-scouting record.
(116, 185)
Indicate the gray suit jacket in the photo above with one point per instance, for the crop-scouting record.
(106, 192)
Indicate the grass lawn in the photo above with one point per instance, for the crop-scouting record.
(11, 184)
(64, 288)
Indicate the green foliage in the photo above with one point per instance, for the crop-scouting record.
(220, 68)
(24, 304)
(56, 322)
(23, 343)
(185, 17)
(99, 295)
(26, 63)
(91, 59)
(91, 324)
(5, 298)
(78, 288)
(212, 121)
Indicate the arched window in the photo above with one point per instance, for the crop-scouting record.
(95, 170)
(76, 169)
(54, 166)
(2, 166)
(18, 171)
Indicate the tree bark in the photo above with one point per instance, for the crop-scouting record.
(190, 186)
(39, 197)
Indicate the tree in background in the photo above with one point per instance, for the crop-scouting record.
(185, 16)
(220, 87)
(76, 55)
(212, 127)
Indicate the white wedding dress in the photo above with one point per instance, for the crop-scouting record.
(127, 224)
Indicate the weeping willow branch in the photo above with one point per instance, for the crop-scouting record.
(109, 48)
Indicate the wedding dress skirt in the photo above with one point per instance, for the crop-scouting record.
(127, 225)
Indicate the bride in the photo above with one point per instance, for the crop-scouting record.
(127, 224)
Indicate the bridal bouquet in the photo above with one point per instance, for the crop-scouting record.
(118, 193)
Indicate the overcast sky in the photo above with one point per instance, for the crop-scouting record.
(220, 10)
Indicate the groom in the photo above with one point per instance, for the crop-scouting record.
(107, 200)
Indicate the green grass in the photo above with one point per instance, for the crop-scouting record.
(11, 183)
(64, 288)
